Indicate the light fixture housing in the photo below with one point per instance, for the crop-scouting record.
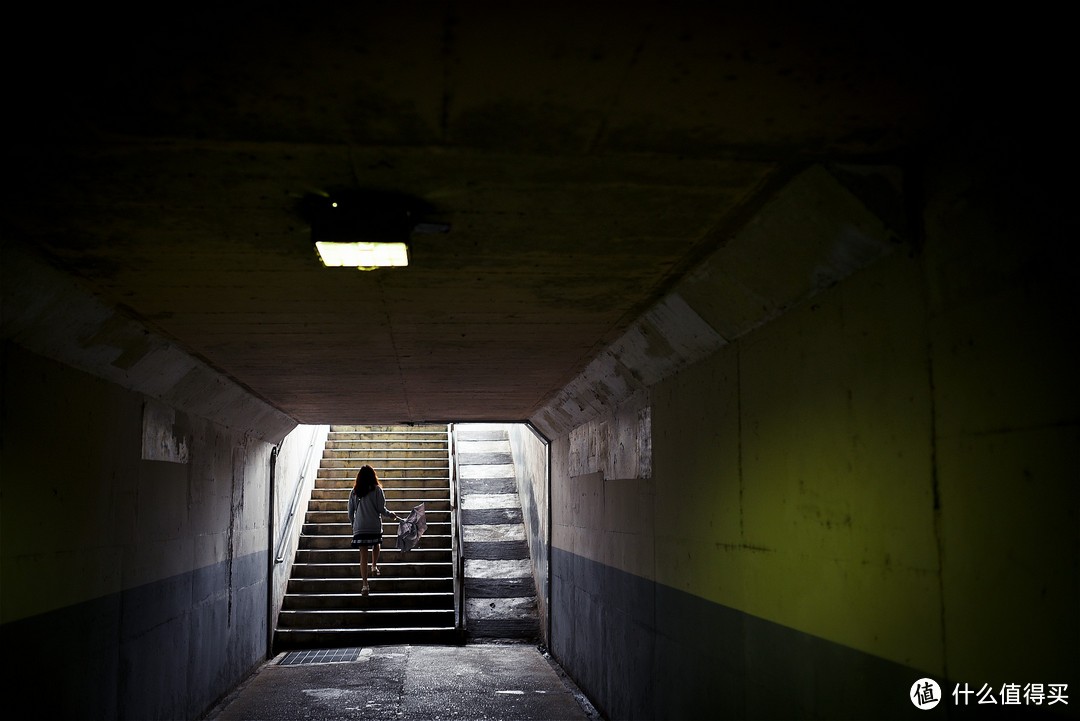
(363, 255)
(366, 228)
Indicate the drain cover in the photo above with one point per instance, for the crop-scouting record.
(322, 655)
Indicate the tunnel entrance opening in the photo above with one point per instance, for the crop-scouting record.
(471, 576)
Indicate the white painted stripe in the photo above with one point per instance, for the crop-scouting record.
(464, 447)
(500, 532)
(487, 471)
(500, 608)
(478, 501)
(498, 569)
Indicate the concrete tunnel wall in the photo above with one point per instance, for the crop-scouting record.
(875, 484)
(134, 517)
(530, 454)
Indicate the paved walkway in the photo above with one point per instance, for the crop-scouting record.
(410, 683)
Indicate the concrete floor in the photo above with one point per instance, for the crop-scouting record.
(481, 681)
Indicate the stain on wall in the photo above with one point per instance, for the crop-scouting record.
(617, 444)
(162, 440)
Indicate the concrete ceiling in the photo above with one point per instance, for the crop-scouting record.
(585, 156)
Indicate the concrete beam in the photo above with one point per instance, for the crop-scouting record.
(816, 231)
(45, 311)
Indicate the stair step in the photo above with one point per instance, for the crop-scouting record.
(385, 433)
(426, 569)
(437, 518)
(436, 511)
(339, 488)
(339, 501)
(431, 541)
(342, 516)
(390, 528)
(382, 440)
(397, 474)
(351, 586)
(360, 617)
(391, 467)
(386, 556)
(345, 478)
(385, 456)
(438, 600)
(429, 434)
(389, 428)
(406, 503)
(405, 492)
(341, 495)
(342, 485)
(436, 553)
(402, 507)
(335, 443)
(285, 639)
(384, 459)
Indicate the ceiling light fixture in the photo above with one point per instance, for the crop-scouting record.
(366, 228)
(362, 255)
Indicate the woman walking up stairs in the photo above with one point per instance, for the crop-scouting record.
(411, 599)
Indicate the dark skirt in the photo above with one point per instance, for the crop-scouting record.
(366, 540)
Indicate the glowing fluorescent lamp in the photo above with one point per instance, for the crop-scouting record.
(363, 255)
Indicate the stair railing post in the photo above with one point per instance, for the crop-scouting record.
(270, 553)
(455, 533)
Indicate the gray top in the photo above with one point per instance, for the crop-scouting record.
(366, 513)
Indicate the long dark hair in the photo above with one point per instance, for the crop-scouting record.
(366, 480)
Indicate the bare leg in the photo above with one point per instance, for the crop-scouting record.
(364, 569)
(375, 558)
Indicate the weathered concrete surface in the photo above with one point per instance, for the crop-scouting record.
(851, 493)
(530, 452)
(822, 231)
(46, 312)
(504, 681)
(584, 156)
(147, 554)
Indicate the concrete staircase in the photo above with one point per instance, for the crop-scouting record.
(500, 592)
(413, 600)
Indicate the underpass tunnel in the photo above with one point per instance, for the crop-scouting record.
(791, 386)
(797, 509)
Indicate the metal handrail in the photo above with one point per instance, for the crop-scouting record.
(455, 533)
(279, 556)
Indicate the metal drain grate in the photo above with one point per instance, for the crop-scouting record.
(323, 655)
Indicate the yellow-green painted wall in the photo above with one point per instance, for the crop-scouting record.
(891, 466)
(810, 457)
